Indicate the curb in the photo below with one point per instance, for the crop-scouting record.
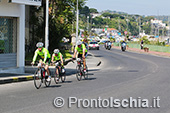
(147, 53)
(16, 79)
(26, 78)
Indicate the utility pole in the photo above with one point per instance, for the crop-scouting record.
(169, 26)
(151, 33)
(139, 27)
(88, 23)
(46, 25)
(158, 23)
(119, 25)
(77, 25)
(127, 23)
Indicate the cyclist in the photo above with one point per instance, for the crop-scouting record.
(123, 42)
(85, 42)
(56, 57)
(44, 55)
(82, 52)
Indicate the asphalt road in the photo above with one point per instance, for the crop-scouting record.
(122, 75)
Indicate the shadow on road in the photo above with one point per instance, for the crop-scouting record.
(98, 55)
(53, 86)
(91, 78)
(67, 82)
(129, 71)
(93, 69)
(90, 74)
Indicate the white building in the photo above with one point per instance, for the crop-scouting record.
(12, 34)
(94, 15)
(158, 23)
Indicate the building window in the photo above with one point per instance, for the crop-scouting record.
(8, 35)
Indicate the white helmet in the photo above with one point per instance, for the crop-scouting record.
(79, 42)
(56, 51)
(39, 44)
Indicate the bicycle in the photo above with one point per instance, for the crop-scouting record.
(80, 70)
(61, 73)
(40, 76)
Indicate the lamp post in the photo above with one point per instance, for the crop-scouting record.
(139, 26)
(46, 25)
(77, 25)
(88, 23)
(127, 20)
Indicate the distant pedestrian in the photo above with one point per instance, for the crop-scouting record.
(141, 44)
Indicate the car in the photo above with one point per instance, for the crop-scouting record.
(93, 45)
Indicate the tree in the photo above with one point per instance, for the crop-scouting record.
(107, 14)
(93, 10)
(36, 29)
(85, 10)
(61, 20)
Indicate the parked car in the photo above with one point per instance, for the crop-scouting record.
(94, 45)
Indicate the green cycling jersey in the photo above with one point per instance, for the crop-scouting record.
(56, 58)
(80, 50)
(44, 54)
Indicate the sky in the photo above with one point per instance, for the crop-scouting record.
(140, 7)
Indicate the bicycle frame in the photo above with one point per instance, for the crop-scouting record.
(41, 76)
(80, 69)
(58, 66)
(60, 74)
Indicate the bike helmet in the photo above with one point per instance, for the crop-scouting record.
(39, 44)
(79, 42)
(56, 51)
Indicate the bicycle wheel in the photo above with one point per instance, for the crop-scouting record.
(56, 76)
(86, 73)
(47, 83)
(63, 77)
(38, 78)
(82, 69)
(79, 72)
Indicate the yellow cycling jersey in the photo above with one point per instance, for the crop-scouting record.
(57, 57)
(44, 53)
(80, 50)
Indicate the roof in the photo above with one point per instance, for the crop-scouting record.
(111, 29)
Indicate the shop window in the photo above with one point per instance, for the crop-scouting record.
(8, 35)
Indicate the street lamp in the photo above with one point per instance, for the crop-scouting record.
(77, 23)
(46, 25)
(127, 23)
(88, 23)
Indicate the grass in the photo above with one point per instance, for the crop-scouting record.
(66, 54)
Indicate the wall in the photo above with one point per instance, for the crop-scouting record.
(16, 10)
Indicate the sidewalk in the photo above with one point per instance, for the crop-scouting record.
(29, 71)
(142, 51)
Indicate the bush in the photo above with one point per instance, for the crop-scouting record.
(145, 40)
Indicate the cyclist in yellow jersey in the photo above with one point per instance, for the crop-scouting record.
(82, 52)
(44, 55)
(56, 57)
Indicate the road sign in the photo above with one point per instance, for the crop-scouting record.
(125, 32)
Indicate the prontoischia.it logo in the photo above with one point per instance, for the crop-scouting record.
(108, 103)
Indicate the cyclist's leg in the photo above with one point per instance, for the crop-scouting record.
(79, 56)
(46, 68)
(86, 55)
(41, 61)
(84, 61)
(57, 68)
(47, 65)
